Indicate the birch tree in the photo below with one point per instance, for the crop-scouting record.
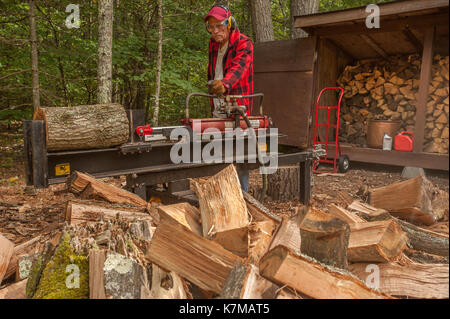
(105, 36)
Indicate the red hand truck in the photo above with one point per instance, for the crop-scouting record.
(342, 161)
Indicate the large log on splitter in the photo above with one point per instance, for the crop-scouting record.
(84, 126)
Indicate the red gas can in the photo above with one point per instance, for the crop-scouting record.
(404, 141)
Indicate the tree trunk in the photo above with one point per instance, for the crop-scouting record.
(262, 20)
(105, 36)
(284, 184)
(301, 7)
(34, 56)
(159, 63)
(84, 126)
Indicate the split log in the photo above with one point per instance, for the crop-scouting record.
(166, 285)
(25, 248)
(379, 241)
(262, 228)
(425, 258)
(14, 291)
(244, 282)
(345, 215)
(90, 188)
(313, 279)
(201, 261)
(260, 237)
(287, 235)
(84, 126)
(96, 274)
(185, 214)
(425, 240)
(418, 238)
(413, 280)
(410, 200)
(6, 252)
(89, 212)
(223, 210)
(325, 238)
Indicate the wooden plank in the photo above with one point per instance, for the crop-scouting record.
(292, 91)
(311, 278)
(397, 158)
(6, 252)
(39, 154)
(201, 261)
(424, 83)
(400, 7)
(96, 274)
(413, 39)
(375, 46)
(291, 55)
(395, 24)
(413, 280)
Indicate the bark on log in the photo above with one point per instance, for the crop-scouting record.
(325, 238)
(414, 280)
(410, 199)
(313, 279)
(84, 126)
(90, 188)
(201, 261)
(244, 282)
(6, 252)
(89, 212)
(380, 241)
(284, 184)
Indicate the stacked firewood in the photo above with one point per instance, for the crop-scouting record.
(115, 245)
(387, 90)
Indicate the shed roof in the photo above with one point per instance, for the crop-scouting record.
(401, 28)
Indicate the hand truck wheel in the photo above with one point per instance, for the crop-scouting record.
(344, 163)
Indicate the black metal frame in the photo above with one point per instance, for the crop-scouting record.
(144, 167)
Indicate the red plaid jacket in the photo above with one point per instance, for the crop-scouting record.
(237, 67)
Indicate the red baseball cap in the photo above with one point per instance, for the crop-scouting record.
(219, 13)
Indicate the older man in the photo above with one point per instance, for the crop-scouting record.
(230, 67)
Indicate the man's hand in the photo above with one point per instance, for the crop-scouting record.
(217, 88)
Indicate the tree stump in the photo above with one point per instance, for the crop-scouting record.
(84, 126)
(284, 184)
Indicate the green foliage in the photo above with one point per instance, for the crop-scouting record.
(68, 57)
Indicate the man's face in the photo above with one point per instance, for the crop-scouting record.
(219, 32)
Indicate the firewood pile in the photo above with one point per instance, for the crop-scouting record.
(114, 245)
(387, 90)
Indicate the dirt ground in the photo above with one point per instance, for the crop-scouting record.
(26, 212)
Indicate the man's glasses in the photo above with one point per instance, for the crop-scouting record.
(211, 27)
